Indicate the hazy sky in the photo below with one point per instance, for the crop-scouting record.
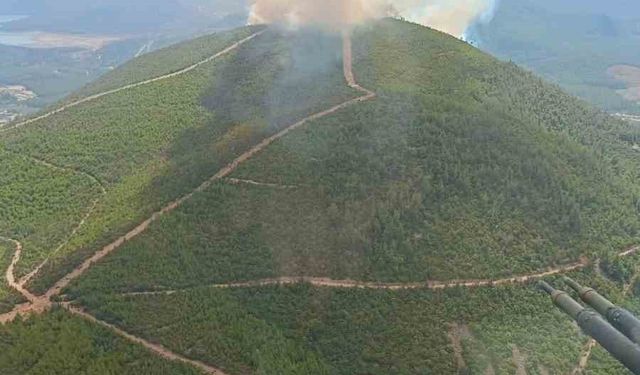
(614, 8)
(130, 16)
(121, 16)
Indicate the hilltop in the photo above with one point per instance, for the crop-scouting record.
(414, 183)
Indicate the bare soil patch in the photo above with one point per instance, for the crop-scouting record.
(630, 75)
(89, 42)
(456, 333)
(520, 360)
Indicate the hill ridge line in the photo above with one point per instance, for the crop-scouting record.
(132, 85)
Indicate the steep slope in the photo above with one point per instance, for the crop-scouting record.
(60, 344)
(461, 168)
(396, 166)
(148, 143)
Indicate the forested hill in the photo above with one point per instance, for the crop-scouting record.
(460, 167)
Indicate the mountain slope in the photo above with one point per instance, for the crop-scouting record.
(468, 179)
(152, 143)
(459, 167)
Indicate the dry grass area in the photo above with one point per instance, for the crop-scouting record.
(630, 75)
(94, 43)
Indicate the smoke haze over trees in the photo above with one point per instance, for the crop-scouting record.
(451, 16)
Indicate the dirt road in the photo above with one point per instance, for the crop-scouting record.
(157, 349)
(9, 275)
(238, 181)
(41, 303)
(584, 357)
(588, 348)
(133, 85)
(34, 304)
(103, 191)
(429, 284)
(353, 284)
(37, 304)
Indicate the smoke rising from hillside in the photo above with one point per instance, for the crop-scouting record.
(451, 16)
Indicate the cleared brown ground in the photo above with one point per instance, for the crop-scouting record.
(630, 75)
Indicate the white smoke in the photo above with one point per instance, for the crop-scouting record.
(451, 16)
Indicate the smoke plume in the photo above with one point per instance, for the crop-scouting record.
(451, 16)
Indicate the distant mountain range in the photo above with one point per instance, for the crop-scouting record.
(122, 16)
(78, 41)
(571, 42)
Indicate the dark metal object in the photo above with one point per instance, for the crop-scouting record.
(597, 327)
(620, 318)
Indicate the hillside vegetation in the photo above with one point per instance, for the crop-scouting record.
(343, 331)
(165, 61)
(60, 344)
(40, 204)
(8, 297)
(151, 144)
(461, 167)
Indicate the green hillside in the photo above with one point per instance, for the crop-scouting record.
(494, 174)
(59, 344)
(153, 143)
(461, 168)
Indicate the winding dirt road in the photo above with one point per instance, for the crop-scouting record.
(42, 303)
(238, 181)
(591, 343)
(584, 357)
(34, 304)
(428, 285)
(133, 85)
(9, 275)
(103, 191)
